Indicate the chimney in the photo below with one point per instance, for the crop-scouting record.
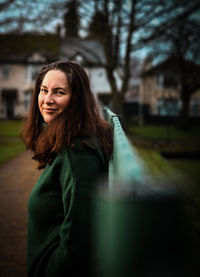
(58, 30)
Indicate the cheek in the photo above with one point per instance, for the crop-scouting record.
(39, 101)
(65, 103)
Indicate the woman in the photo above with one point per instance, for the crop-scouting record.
(73, 145)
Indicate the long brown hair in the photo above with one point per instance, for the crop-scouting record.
(80, 119)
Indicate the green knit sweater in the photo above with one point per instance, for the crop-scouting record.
(59, 213)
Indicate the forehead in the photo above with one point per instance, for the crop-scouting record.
(54, 78)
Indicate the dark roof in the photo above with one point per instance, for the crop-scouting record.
(17, 48)
(171, 65)
(90, 50)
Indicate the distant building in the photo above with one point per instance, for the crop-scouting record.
(159, 90)
(132, 94)
(89, 53)
(131, 99)
(21, 57)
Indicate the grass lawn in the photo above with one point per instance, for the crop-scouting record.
(190, 169)
(10, 143)
(186, 175)
(158, 166)
(9, 150)
(155, 164)
(162, 132)
(10, 128)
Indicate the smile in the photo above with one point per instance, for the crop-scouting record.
(49, 110)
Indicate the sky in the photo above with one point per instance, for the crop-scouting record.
(31, 9)
(51, 17)
(40, 8)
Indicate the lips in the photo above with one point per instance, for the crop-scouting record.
(49, 110)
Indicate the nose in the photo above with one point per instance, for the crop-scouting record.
(48, 99)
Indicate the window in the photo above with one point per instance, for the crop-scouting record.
(159, 80)
(170, 82)
(27, 99)
(168, 107)
(31, 72)
(194, 107)
(167, 81)
(5, 71)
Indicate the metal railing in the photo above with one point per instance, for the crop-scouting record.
(125, 166)
(137, 231)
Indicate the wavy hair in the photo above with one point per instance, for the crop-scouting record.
(81, 118)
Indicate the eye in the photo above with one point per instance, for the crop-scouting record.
(43, 90)
(60, 92)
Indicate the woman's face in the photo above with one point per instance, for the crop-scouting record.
(54, 95)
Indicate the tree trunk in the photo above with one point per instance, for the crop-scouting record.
(117, 103)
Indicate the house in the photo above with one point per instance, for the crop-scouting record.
(89, 53)
(21, 57)
(131, 99)
(159, 89)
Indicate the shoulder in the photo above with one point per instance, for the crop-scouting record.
(88, 151)
(87, 163)
(81, 156)
(79, 166)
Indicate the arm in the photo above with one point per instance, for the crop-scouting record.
(72, 253)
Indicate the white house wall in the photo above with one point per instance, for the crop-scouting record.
(99, 82)
(16, 80)
(19, 79)
(151, 93)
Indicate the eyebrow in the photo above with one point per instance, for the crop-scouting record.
(56, 88)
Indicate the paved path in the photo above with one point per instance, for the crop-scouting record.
(17, 178)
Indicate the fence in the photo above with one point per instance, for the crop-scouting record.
(137, 227)
(163, 115)
(130, 167)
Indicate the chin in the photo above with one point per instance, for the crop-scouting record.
(48, 119)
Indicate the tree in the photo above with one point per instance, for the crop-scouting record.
(121, 27)
(19, 16)
(177, 35)
(118, 24)
(110, 25)
(116, 21)
(71, 19)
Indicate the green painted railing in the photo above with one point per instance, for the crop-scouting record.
(125, 166)
(137, 231)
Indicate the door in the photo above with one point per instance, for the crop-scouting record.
(9, 97)
(10, 107)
